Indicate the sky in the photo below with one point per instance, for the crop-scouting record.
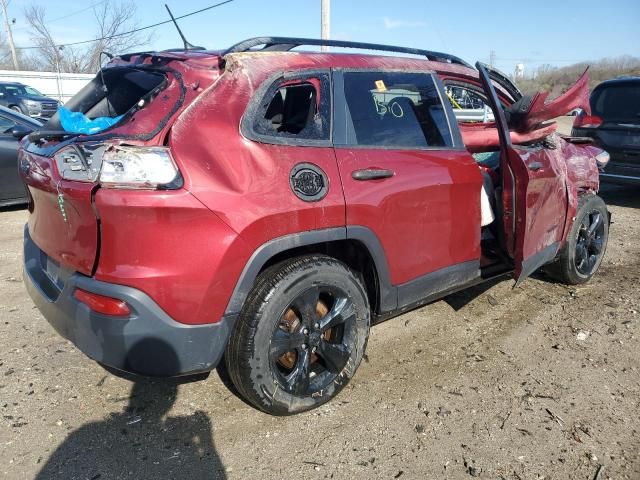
(559, 32)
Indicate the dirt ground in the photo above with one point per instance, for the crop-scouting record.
(541, 381)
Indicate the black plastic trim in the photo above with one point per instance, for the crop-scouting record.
(388, 297)
(434, 285)
(534, 262)
(421, 290)
(265, 252)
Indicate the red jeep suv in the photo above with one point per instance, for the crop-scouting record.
(267, 206)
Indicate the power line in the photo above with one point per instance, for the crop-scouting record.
(72, 14)
(132, 31)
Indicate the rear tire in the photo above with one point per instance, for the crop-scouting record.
(300, 336)
(586, 243)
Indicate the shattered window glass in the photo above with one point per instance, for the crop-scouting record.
(296, 108)
(395, 109)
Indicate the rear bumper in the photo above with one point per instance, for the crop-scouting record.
(148, 342)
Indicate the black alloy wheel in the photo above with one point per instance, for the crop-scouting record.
(300, 336)
(586, 243)
(313, 340)
(589, 243)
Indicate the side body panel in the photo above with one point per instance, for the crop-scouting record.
(247, 183)
(427, 216)
(171, 247)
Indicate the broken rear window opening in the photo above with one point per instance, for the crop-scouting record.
(125, 89)
(295, 109)
(292, 109)
(395, 110)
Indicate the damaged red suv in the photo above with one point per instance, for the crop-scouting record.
(267, 206)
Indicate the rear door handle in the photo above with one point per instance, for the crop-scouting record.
(534, 166)
(371, 174)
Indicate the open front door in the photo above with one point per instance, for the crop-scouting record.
(534, 195)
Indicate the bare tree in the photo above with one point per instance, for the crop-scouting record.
(113, 29)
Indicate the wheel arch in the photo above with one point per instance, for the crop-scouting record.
(356, 246)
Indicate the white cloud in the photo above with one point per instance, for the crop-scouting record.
(390, 23)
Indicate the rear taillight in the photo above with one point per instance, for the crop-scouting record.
(119, 166)
(139, 167)
(101, 304)
(587, 121)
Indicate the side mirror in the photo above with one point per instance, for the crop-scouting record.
(20, 131)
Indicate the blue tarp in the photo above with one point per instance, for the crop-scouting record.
(77, 122)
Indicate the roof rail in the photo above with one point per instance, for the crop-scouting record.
(283, 44)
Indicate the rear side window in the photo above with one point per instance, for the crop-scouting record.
(395, 110)
(617, 102)
(293, 110)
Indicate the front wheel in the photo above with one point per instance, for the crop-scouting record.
(300, 336)
(586, 243)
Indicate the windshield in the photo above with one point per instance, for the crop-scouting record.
(32, 91)
(617, 102)
(13, 89)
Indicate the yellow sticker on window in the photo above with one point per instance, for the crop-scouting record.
(380, 86)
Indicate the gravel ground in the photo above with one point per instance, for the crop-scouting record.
(541, 381)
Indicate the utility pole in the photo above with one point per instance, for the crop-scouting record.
(7, 25)
(492, 58)
(325, 22)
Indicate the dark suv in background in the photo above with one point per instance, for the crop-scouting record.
(27, 100)
(615, 126)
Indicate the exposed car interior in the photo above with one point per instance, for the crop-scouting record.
(292, 108)
(114, 92)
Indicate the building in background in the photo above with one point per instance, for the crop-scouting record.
(61, 86)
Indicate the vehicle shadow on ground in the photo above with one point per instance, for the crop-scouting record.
(12, 208)
(460, 299)
(621, 196)
(143, 441)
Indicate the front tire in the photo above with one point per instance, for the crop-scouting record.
(300, 336)
(586, 243)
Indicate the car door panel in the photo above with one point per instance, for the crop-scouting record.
(416, 212)
(534, 196)
(423, 204)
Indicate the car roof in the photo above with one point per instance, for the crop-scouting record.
(618, 81)
(323, 60)
(283, 48)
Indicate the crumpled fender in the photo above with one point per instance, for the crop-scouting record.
(576, 97)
